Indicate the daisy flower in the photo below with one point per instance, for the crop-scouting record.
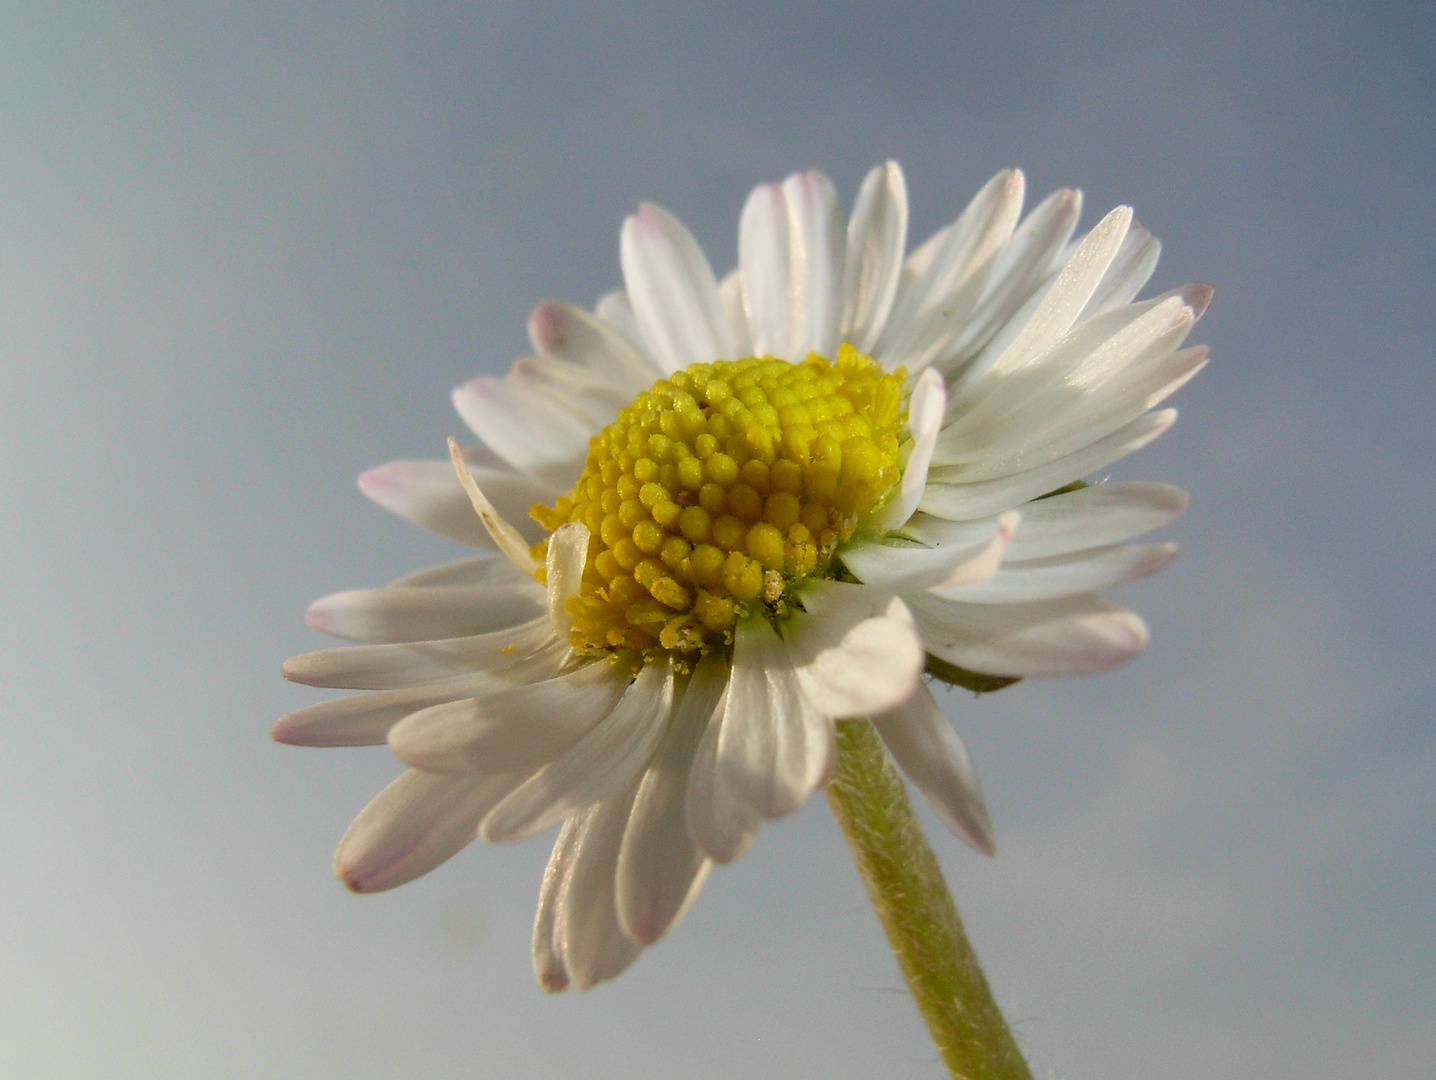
(728, 514)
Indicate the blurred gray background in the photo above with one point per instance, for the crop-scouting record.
(246, 250)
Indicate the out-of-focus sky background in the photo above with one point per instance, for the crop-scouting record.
(246, 250)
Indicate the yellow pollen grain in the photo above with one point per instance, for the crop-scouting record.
(719, 489)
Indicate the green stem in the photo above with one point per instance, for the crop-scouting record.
(912, 900)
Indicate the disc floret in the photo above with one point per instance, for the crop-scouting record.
(720, 489)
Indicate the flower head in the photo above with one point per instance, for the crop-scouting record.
(729, 515)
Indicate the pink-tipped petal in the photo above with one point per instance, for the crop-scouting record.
(413, 825)
(926, 748)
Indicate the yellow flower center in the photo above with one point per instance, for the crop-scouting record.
(716, 491)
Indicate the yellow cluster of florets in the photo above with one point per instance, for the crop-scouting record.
(715, 491)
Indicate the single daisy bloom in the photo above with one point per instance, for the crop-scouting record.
(729, 513)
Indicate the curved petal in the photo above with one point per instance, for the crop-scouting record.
(719, 823)
(592, 944)
(428, 494)
(549, 965)
(608, 755)
(926, 408)
(872, 268)
(660, 868)
(673, 291)
(854, 649)
(904, 569)
(412, 826)
(509, 728)
(506, 538)
(774, 747)
(563, 573)
(934, 758)
(1078, 635)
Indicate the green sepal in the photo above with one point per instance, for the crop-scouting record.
(1076, 485)
(975, 681)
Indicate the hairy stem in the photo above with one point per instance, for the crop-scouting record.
(911, 898)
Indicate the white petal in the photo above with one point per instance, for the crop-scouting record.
(989, 560)
(1074, 636)
(391, 667)
(920, 260)
(611, 753)
(1065, 575)
(591, 941)
(763, 269)
(590, 396)
(674, 294)
(1093, 517)
(1021, 274)
(365, 719)
(563, 573)
(774, 747)
(934, 758)
(949, 258)
(428, 494)
(532, 432)
(1130, 270)
(484, 570)
(660, 868)
(719, 823)
(567, 332)
(1069, 294)
(854, 649)
(412, 826)
(815, 265)
(936, 305)
(1099, 412)
(926, 408)
(549, 966)
(509, 728)
(730, 291)
(958, 502)
(877, 234)
(1086, 421)
(905, 568)
(424, 614)
(991, 407)
(615, 309)
(1097, 379)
